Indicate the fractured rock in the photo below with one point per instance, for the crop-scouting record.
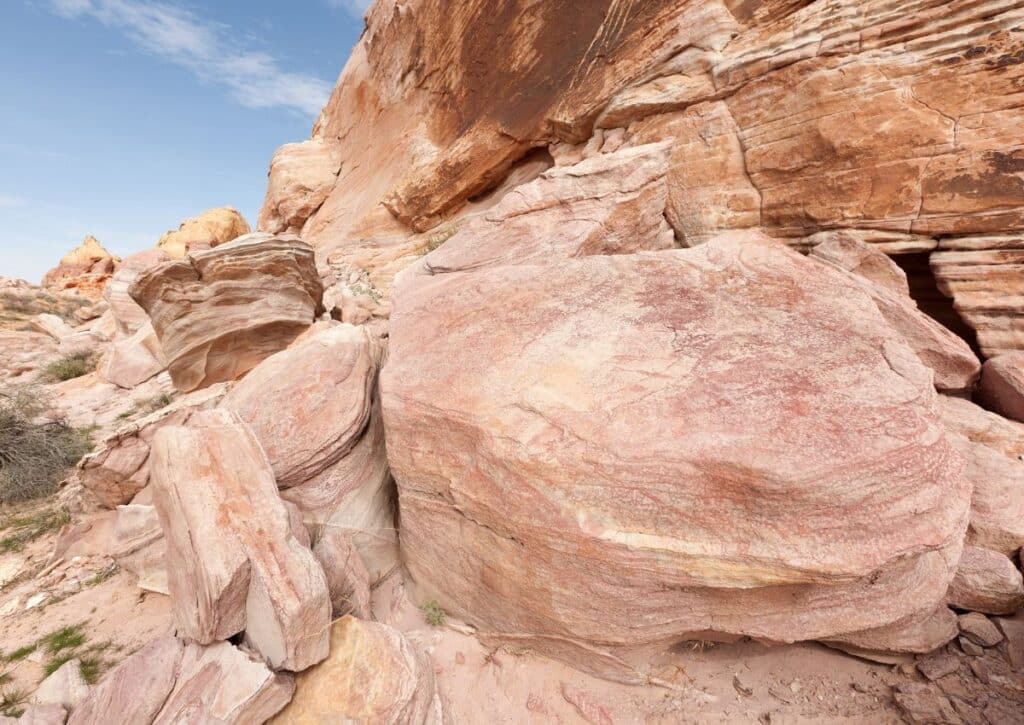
(220, 312)
(986, 581)
(541, 418)
(979, 629)
(1002, 385)
(171, 682)
(66, 687)
(374, 674)
(127, 314)
(133, 360)
(845, 251)
(233, 560)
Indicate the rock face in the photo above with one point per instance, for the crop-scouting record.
(1002, 385)
(797, 118)
(374, 675)
(210, 229)
(302, 175)
(220, 312)
(172, 682)
(233, 560)
(84, 269)
(631, 448)
(128, 316)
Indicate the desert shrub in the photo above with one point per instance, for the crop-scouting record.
(68, 367)
(433, 613)
(35, 452)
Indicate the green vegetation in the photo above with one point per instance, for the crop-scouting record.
(35, 452)
(433, 613)
(30, 527)
(64, 638)
(68, 367)
(156, 403)
(21, 653)
(11, 702)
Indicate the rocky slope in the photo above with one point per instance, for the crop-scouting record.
(600, 379)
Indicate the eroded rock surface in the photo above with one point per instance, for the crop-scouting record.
(233, 559)
(220, 312)
(85, 269)
(620, 450)
(210, 229)
(1002, 385)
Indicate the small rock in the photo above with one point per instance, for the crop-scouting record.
(924, 705)
(65, 687)
(979, 629)
(36, 599)
(938, 665)
(980, 669)
(1013, 630)
(970, 647)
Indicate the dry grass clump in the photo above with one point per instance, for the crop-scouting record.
(68, 367)
(35, 452)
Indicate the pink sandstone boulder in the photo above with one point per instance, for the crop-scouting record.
(233, 560)
(1002, 385)
(618, 451)
(312, 409)
(220, 312)
(986, 581)
(302, 175)
(169, 682)
(128, 316)
(845, 251)
(133, 360)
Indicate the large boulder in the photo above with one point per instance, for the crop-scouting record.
(220, 312)
(169, 681)
(233, 560)
(302, 175)
(312, 409)
(986, 581)
(131, 361)
(374, 675)
(623, 450)
(211, 228)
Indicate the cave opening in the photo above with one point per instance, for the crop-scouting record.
(924, 289)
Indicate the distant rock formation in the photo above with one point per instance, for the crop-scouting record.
(86, 269)
(206, 231)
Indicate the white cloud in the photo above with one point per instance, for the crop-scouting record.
(356, 8)
(207, 49)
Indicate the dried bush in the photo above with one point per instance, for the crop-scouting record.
(35, 452)
(71, 366)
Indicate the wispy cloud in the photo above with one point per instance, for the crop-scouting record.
(207, 49)
(356, 8)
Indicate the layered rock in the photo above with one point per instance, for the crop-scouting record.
(218, 313)
(632, 448)
(119, 468)
(302, 175)
(312, 409)
(233, 560)
(1002, 385)
(210, 229)
(796, 118)
(374, 675)
(985, 277)
(85, 269)
(128, 316)
(169, 681)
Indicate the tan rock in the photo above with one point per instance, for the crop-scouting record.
(916, 634)
(134, 360)
(986, 581)
(138, 546)
(66, 687)
(1002, 385)
(979, 629)
(171, 682)
(374, 675)
(85, 269)
(232, 557)
(128, 316)
(997, 503)
(608, 204)
(302, 175)
(52, 325)
(220, 312)
(714, 378)
(208, 230)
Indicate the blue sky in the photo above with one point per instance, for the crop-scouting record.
(120, 118)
